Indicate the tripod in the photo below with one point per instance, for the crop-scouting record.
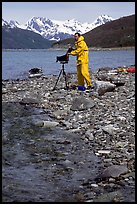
(64, 74)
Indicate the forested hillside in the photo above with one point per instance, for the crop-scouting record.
(117, 33)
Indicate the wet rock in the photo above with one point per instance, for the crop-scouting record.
(118, 82)
(103, 86)
(112, 171)
(103, 151)
(110, 129)
(29, 101)
(4, 91)
(46, 124)
(109, 197)
(82, 103)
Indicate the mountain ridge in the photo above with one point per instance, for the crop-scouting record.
(58, 30)
(117, 33)
(16, 38)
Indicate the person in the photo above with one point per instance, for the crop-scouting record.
(81, 52)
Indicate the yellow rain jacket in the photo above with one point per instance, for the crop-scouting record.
(81, 51)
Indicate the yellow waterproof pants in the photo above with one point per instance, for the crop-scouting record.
(83, 75)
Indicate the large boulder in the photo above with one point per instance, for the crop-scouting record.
(81, 103)
(104, 86)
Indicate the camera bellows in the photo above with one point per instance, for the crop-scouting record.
(63, 58)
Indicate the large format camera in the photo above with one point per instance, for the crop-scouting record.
(64, 58)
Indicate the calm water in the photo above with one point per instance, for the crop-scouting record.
(17, 63)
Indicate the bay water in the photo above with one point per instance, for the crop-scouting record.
(17, 63)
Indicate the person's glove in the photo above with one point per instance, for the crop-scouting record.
(70, 49)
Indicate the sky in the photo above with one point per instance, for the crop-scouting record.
(81, 11)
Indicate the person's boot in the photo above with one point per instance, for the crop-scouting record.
(90, 87)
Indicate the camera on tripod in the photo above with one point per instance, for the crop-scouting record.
(64, 58)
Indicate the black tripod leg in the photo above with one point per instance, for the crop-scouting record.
(64, 74)
(57, 80)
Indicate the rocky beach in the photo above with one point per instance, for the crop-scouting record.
(66, 145)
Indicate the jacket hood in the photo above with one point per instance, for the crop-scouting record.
(80, 38)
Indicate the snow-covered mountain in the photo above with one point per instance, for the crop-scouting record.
(58, 30)
(4, 23)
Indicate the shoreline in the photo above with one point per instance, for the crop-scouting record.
(90, 49)
(100, 48)
(89, 132)
(114, 48)
(54, 75)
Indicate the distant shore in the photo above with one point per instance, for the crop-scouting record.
(99, 48)
(113, 48)
(90, 48)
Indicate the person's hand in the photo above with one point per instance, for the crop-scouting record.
(70, 49)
